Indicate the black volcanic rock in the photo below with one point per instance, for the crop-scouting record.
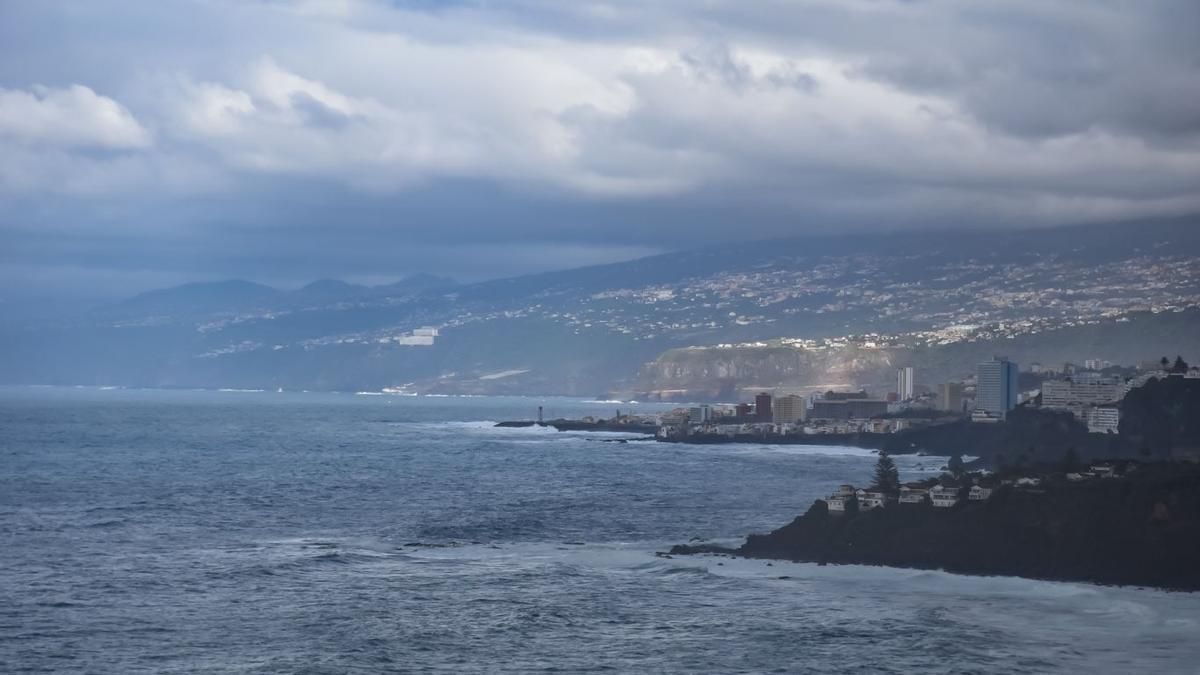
(1140, 530)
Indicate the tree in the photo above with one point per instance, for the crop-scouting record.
(887, 477)
(1181, 366)
(1000, 460)
(1070, 462)
(1166, 363)
(956, 466)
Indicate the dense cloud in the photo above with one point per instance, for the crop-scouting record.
(145, 144)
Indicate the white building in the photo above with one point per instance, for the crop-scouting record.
(979, 494)
(905, 383)
(414, 340)
(1103, 419)
(838, 500)
(943, 497)
(872, 500)
(1080, 392)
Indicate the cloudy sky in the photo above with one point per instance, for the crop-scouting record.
(144, 144)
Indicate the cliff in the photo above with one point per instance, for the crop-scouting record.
(1141, 530)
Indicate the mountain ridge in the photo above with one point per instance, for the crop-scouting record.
(592, 330)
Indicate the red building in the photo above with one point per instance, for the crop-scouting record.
(762, 408)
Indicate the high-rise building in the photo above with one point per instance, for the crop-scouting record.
(905, 380)
(742, 412)
(762, 408)
(789, 409)
(996, 390)
(950, 396)
(701, 414)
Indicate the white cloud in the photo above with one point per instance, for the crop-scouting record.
(856, 110)
(71, 116)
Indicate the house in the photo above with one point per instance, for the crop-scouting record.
(838, 500)
(979, 493)
(943, 497)
(870, 500)
(837, 504)
(1028, 482)
(913, 495)
(1076, 477)
(1103, 470)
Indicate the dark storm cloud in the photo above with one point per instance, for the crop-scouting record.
(288, 140)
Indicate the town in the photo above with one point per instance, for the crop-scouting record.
(1091, 393)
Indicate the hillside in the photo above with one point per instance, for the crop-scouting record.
(858, 305)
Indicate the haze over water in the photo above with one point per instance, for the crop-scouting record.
(171, 531)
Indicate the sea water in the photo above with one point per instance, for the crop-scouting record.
(181, 531)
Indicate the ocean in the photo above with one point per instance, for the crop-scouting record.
(162, 531)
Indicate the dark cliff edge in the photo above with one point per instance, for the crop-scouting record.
(1140, 530)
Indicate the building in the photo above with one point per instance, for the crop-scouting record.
(979, 493)
(943, 497)
(789, 409)
(673, 417)
(950, 397)
(859, 408)
(905, 381)
(845, 395)
(762, 408)
(872, 500)
(701, 414)
(996, 390)
(837, 501)
(1078, 393)
(912, 495)
(1103, 419)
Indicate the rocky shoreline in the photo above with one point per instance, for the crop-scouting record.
(581, 425)
(1139, 530)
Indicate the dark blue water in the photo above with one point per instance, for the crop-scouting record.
(159, 531)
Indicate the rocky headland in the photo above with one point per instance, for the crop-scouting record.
(1141, 528)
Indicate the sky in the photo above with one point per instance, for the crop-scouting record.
(146, 144)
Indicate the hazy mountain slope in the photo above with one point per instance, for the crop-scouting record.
(592, 330)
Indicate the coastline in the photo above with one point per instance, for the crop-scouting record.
(1130, 531)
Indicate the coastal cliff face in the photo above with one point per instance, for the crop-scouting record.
(1142, 531)
(718, 371)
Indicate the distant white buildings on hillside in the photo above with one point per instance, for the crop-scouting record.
(419, 337)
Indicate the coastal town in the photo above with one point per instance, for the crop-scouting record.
(1091, 393)
(1122, 511)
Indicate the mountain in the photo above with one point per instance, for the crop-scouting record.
(201, 298)
(840, 309)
